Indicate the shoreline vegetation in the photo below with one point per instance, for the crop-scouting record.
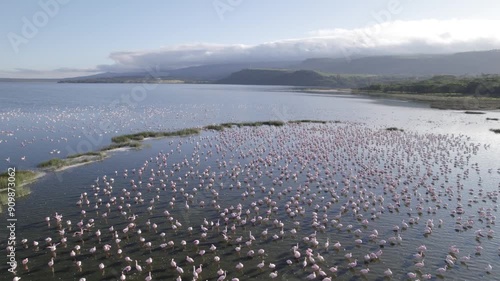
(478, 92)
(58, 164)
(23, 178)
(435, 100)
(439, 101)
(444, 91)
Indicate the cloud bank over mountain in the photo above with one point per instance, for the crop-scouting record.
(397, 37)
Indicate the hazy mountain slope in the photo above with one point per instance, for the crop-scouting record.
(303, 78)
(468, 63)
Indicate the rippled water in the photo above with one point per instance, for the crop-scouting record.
(443, 159)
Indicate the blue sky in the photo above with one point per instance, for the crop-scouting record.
(85, 37)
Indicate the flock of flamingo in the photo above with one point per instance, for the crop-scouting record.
(297, 202)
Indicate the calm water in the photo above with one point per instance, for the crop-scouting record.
(446, 154)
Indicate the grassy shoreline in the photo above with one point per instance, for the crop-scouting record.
(439, 101)
(434, 100)
(149, 134)
(22, 179)
(58, 164)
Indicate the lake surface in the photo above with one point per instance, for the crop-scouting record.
(334, 182)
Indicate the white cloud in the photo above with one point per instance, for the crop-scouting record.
(396, 37)
(441, 36)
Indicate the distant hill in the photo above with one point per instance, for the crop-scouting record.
(303, 78)
(214, 72)
(467, 63)
(423, 66)
(203, 73)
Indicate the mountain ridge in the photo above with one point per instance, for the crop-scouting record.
(416, 65)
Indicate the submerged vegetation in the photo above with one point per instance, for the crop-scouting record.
(474, 112)
(309, 121)
(394, 129)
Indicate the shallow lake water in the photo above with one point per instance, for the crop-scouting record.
(434, 184)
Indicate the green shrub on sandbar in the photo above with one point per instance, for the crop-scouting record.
(308, 121)
(131, 144)
(142, 135)
(52, 163)
(215, 127)
(260, 123)
(90, 153)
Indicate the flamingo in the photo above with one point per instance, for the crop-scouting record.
(353, 264)
(365, 271)
(199, 270)
(179, 270)
(388, 272)
(101, 267)
(137, 266)
(25, 264)
(149, 262)
(51, 265)
(79, 265)
(442, 270)
(489, 268)
(311, 276)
